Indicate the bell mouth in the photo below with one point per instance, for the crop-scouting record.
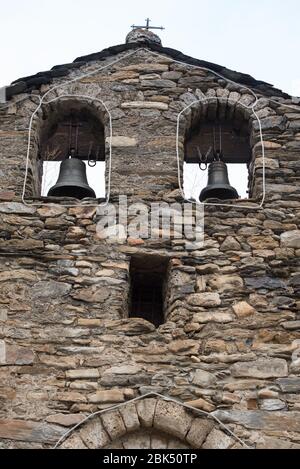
(70, 191)
(218, 192)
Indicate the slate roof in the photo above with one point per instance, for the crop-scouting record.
(27, 84)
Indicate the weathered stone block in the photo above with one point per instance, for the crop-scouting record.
(172, 418)
(290, 239)
(224, 283)
(21, 245)
(272, 404)
(147, 67)
(204, 378)
(71, 396)
(218, 440)
(145, 105)
(73, 442)
(123, 370)
(277, 422)
(120, 141)
(58, 361)
(204, 299)
(198, 432)
(15, 207)
(15, 355)
(289, 385)
(113, 424)
(263, 242)
(130, 417)
(93, 434)
(201, 404)
(145, 409)
(159, 83)
(262, 368)
(21, 430)
(88, 373)
(178, 346)
(218, 317)
(66, 420)
(112, 395)
(230, 244)
(243, 309)
(50, 289)
(51, 211)
(91, 294)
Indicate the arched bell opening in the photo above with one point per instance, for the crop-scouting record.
(72, 151)
(217, 152)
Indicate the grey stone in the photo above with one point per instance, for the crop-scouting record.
(274, 123)
(291, 325)
(158, 84)
(272, 404)
(21, 430)
(262, 420)
(224, 283)
(50, 289)
(204, 378)
(267, 283)
(290, 239)
(171, 75)
(289, 385)
(261, 368)
(15, 207)
(230, 244)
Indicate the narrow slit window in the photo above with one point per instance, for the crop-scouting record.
(148, 276)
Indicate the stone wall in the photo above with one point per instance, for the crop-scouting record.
(230, 343)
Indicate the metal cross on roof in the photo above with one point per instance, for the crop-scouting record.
(147, 26)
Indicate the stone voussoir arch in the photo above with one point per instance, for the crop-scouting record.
(150, 423)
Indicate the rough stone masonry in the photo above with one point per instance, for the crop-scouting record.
(230, 341)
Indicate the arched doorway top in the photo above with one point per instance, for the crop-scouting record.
(150, 420)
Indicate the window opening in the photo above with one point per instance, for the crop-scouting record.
(148, 276)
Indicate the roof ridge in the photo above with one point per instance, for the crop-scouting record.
(26, 84)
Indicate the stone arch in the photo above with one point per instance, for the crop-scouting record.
(240, 127)
(150, 422)
(48, 129)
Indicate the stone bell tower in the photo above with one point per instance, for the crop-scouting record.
(180, 334)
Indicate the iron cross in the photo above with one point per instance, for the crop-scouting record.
(147, 26)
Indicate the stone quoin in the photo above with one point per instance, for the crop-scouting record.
(88, 322)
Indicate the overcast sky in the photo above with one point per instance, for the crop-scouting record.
(259, 37)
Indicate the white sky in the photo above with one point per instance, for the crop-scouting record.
(259, 37)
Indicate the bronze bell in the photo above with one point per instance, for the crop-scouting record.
(72, 181)
(218, 186)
